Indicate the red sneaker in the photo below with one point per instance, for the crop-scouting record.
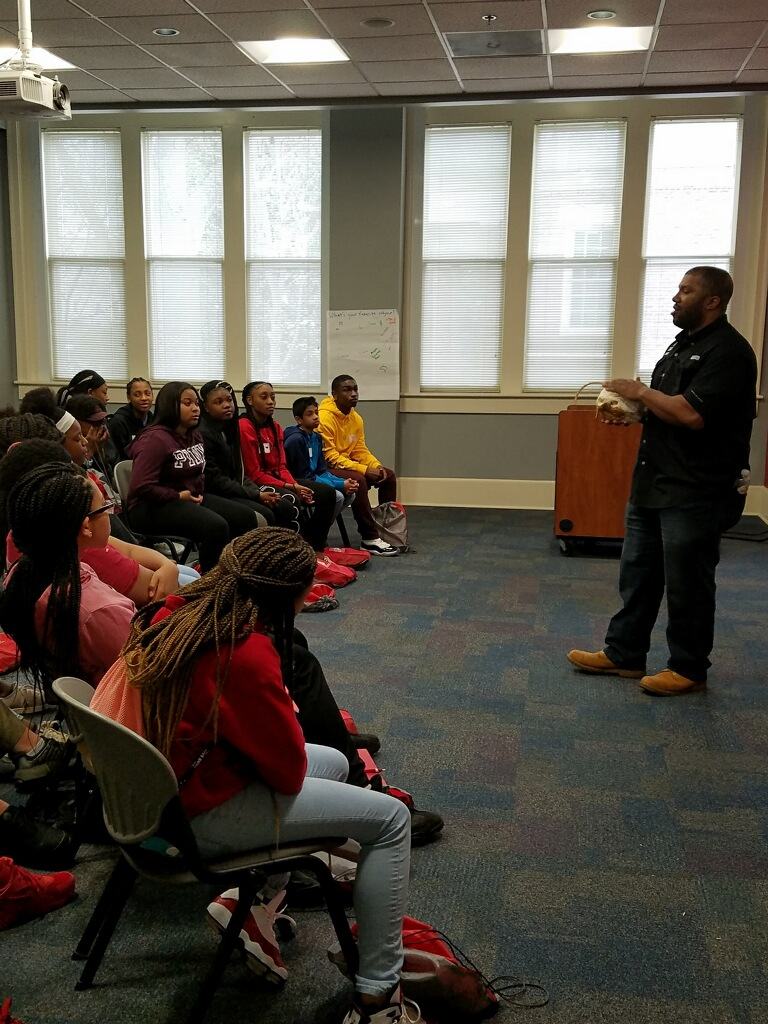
(258, 934)
(24, 894)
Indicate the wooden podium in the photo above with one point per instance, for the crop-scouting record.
(593, 476)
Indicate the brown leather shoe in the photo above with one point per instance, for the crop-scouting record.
(600, 664)
(669, 684)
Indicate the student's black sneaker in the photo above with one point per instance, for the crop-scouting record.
(377, 546)
(46, 755)
(31, 843)
(366, 741)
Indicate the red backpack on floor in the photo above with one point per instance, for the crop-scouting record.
(355, 558)
(333, 575)
(321, 598)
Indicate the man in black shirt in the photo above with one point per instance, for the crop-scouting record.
(687, 489)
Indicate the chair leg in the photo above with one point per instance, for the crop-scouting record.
(336, 911)
(248, 890)
(342, 530)
(103, 922)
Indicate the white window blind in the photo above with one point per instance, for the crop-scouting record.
(466, 198)
(85, 250)
(690, 218)
(283, 206)
(182, 181)
(578, 169)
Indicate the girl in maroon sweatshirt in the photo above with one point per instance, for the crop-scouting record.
(167, 483)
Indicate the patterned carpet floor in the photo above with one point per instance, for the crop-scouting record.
(611, 844)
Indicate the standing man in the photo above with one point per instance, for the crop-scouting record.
(687, 489)
(341, 428)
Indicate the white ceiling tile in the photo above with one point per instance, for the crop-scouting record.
(694, 12)
(214, 7)
(270, 25)
(507, 85)
(130, 80)
(709, 37)
(75, 32)
(759, 59)
(759, 76)
(77, 80)
(9, 11)
(587, 84)
(345, 21)
(316, 74)
(137, 8)
(243, 77)
(429, 90)
(401, 48)
(245, 95)
(692, 78)
(101, 57)
(572, 14)
(408, 71)
(169, 96)
(320, 5)
(468, 17)
(82, 101)
(500, 67)
(599, 64)
(192, 29)
(320, 92)
(697, 60)
(199, 55)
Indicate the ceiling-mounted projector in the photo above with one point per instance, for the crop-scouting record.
(26, 93)
(24, 90)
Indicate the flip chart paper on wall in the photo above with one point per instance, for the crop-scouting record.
(365, 343)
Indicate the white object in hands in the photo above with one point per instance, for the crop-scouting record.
(612, 408)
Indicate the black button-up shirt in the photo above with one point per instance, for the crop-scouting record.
(716, 371)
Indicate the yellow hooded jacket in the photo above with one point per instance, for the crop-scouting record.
(344, 438)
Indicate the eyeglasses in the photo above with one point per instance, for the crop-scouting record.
(108, 506)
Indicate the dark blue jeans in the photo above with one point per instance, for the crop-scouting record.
(674, 549)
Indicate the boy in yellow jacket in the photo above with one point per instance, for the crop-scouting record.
(343, 434)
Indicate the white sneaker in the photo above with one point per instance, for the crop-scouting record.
(396, 1013)
(257, 938)
(377, 546)
(21, 697)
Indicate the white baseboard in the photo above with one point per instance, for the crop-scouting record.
(532, 494)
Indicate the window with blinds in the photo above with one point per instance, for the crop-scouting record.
(283, 207)
(85, 250)
(690, 218)
(466, 198)
(183, 195)
(578, 170)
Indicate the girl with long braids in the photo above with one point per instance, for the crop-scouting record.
(167, 492)
(216, 699)
(64, 620)
(261, 439)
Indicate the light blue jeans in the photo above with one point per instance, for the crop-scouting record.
(187, 575)
(326, 806)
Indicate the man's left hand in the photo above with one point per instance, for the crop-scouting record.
(626, 388)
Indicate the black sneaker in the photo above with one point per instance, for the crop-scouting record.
(33, 844)
(426, 826)
(366, 741)
(46, 755)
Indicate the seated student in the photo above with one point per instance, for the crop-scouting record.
(224, 473)
(92, 417)
(261, 440)
(304, 453)
(224, 717)
(341, 428)
(86, 382)
(64, 620)
(167, 492)
(140, 574)
(22, 837)
(128, 422)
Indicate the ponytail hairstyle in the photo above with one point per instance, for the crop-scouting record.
(230, 429)
(81, 384)
(21, 457)
(46, 508)
(268, 425)
(258, 578)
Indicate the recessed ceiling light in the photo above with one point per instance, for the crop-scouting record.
(295, 51)
(602, 15)
(606, 39)
(489, 18)
(46, 60)
(377, 23)
(165, 33)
